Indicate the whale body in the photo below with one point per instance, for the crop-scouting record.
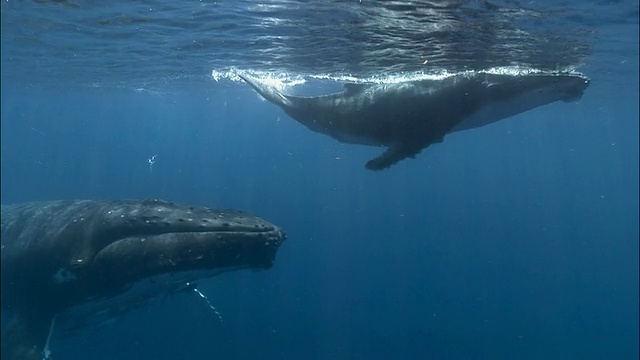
(409, 116)
(63, 254)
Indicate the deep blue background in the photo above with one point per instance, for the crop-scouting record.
(514, 241)
(518, 240)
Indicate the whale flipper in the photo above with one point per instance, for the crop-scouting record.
(26, 335)
(391, 156)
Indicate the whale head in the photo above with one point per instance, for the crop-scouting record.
(76, 250)
(506, 95)
(543, 87)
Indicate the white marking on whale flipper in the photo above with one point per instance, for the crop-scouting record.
(206, 299)
(46, 353)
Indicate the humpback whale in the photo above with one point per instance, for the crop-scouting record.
(64, 254)
(409, 116)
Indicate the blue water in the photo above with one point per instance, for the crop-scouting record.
(518, 240)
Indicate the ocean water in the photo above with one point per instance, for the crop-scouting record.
(518, 240)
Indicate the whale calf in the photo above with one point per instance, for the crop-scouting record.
(409, 116)
(64, 254)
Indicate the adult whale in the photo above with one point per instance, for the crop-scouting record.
(409, 116)
(64, 254)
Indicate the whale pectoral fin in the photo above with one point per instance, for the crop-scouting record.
(392, 155)
(26, 335)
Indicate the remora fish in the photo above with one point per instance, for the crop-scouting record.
(409, 116)
(61, 254)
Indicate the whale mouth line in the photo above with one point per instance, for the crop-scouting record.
(185, 228)
(191, 240)
(193, 234)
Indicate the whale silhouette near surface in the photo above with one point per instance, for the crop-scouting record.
(407, 117)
